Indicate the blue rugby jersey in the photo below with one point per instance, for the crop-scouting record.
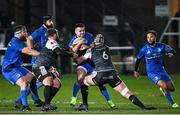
(87, 36)
(39, 40)
(12, 56)
(154, 56)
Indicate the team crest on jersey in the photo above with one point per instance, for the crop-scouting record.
(158, 49)
(148, 52)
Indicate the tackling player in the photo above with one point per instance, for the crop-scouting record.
(153, 54)
(45, 66)
(105, 71)
(37, 41)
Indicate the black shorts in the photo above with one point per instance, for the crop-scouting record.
(41, 73)
(109, 77)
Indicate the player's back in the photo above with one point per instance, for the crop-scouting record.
(102, 59)
(13, 53)
(39, 40)
(48, 57)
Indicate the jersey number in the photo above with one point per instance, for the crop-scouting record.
(105, 56)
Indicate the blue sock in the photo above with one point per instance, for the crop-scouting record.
(39, 85)
(170, 98)
(105, 93)
(19, 100)
(23, 96)
(34, 96)
(76, 88)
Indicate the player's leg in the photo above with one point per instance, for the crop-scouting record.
(124, 91)
(167, 87)
(105, 93)
(56, 86)
(32, 88)
(76, 88)
(20, 76)
(165, 82)
(81, 72)
(37, 101)
(48, 85)
(118, 85)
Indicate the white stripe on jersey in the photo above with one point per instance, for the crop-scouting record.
(52, 44)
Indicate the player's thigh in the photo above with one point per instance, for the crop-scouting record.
(27, 74)
(81, 72)
(89, 79)
(154, 77)
(114, 79)
(170, 86)
(41, 73)
(97, 78)
(13, 75)
(56, 82)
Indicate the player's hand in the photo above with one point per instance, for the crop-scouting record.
(79, 60)
(75, 55)
(83, 47)
(170, 55)
(136, 74)
(81, 41)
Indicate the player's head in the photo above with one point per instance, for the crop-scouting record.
(98, 39)
(151, 36)
(52, 33)
(80, 30)
(20, 31)
(48, 21)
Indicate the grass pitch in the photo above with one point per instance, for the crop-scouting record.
(143, 88)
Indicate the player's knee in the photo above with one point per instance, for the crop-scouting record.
(48, 81)
(80, 80)
(23, 84)
(172, 89)
(57, 84)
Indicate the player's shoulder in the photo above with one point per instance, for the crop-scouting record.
(51, 43)
(160, 44)
(88, 35)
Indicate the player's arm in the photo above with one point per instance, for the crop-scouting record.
(30, 41)
(87, 55)
(171, 53)
(138, 60)
(136, 73)
(60, 51)
(30, 51)
(76, 47)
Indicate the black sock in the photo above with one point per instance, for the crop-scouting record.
(33, 87)
(84, 92)
(47, 94)
(53, 93)
(136, 101)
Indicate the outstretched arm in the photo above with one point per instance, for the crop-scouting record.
(136, 73)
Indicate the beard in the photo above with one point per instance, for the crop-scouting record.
(49, 26)
(152, 43)
(23, 38)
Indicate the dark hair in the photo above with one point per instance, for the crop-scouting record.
(20, 28)
(46, 18)
(152, 32)
(79, 25)
(51, 32)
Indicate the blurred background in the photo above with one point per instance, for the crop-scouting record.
(123, 23)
